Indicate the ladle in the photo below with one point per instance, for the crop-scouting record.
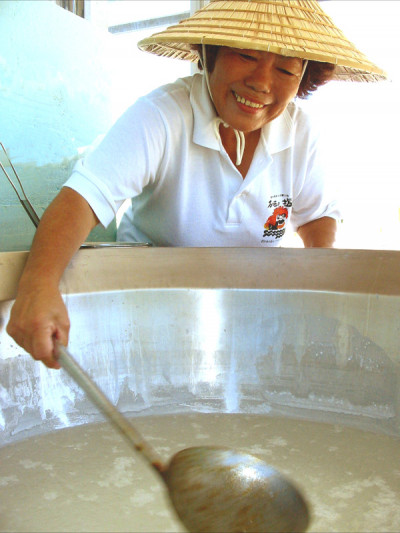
(212, 489)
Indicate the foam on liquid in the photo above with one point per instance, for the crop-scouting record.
(87, 478)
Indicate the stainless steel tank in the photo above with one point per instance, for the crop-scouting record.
(300, 334)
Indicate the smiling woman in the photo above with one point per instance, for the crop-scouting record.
(268, 80)
(249, 89)
(222, 159)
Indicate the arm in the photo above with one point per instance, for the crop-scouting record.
(39, 313)
(318, 233)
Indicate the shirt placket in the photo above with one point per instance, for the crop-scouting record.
(235, 209)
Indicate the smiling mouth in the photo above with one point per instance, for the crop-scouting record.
(249, 103)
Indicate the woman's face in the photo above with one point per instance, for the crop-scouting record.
(251, 88)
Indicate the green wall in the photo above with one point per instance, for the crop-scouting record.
(56, 74)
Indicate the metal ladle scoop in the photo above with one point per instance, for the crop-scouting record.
(212, 489)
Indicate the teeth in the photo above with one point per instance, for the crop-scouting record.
(247, 102)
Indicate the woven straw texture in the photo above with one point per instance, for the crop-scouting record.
(297, 28)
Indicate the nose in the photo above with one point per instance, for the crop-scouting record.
(260, 77)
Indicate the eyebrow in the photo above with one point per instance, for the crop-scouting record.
(286, 59)
(245, 50)
(291, 62)
(290, 58)
(282, 57)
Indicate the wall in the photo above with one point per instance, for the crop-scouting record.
(56, 73)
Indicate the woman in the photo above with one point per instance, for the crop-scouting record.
(220, 159)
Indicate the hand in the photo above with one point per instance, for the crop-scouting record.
(38, 318)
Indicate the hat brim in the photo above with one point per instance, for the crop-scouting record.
(297, 28)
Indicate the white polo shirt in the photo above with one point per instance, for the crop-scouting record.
(164, 154)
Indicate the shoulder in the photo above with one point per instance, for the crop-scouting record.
(158, 110)
(172, 96)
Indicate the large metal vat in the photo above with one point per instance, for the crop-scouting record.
(306, 334)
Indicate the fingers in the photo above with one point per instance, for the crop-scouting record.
(36, 323)
(43, 347)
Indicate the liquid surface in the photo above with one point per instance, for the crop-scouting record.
(87, 478)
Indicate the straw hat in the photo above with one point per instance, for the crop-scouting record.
(297, 28)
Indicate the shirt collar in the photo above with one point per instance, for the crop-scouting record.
(276, 135)
(204, 114)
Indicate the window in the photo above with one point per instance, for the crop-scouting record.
(129, 22)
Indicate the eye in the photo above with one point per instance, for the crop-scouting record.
(247, 57)
(286, 72)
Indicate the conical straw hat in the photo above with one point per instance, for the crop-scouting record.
(297, 28)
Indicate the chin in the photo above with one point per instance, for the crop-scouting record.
(245, 127)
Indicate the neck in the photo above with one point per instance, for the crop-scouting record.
(229, 142)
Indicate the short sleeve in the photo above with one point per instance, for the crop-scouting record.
(123, 163)
(314, 195)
